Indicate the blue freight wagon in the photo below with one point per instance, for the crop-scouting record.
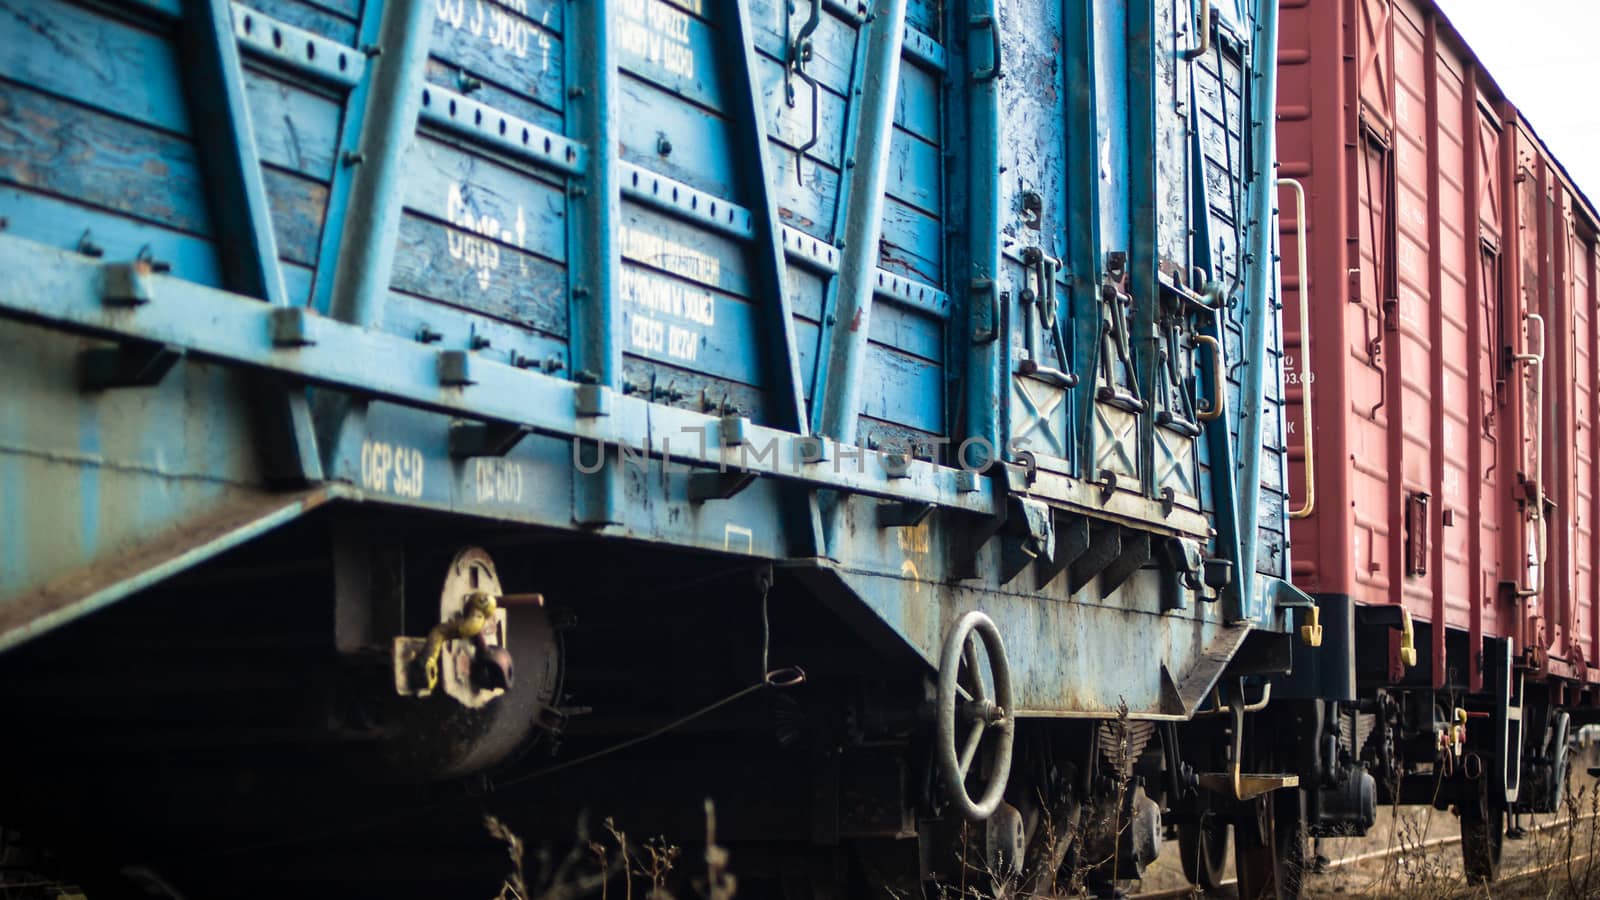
(876, 406)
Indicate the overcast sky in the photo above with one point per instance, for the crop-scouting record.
(1543, 53)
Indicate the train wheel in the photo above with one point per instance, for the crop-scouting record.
(1483, 833)
(1204, 851)
(1270, 852)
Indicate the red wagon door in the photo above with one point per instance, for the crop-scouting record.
(1526, 321)
(1494, 545)
(1585, 446)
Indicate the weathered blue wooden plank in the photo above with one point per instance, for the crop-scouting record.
(902, 388)
(514, 49)
(806, 201)
(697, 141)
(102, 62)
(833, 42)
(893, 323)
(295, 128)
(478, 16)
(298, 207)
(68, 150)
(693, 390)
(918, 103)
(670, 48)
(915, 167)
(297, 283)
(913, 243)
(793, 126)
(668, 245)
(459, 268)
(908, 331)
(895, 386)
(485, 201)
(64, 224)
(915, 176)
(452, 327)
(672, 320)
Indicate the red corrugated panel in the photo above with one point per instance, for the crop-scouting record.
(1440, 233)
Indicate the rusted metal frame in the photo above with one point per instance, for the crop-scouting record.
(1472, 172)
(356, 254)
(1260, 281)
(62, 290)
(836, 396)
(239, 209)
(1143, 262)
(1432, 116)
(756, 176)
(593, 214)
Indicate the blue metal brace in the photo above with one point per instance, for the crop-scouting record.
(356, 255)
(594, 211)
(985, 352)
(1084, 264)
(1143, 260)
(756, 177)
(847, 319)
(1260, 276)
(249, 257)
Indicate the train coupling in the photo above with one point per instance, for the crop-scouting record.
(1311, 631)
(466, 654)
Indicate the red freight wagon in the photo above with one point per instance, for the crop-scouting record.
(1443, 383)
(1451, 343)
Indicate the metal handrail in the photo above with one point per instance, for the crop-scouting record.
(1219, 379)
(1203, 21)
(1306, 377)
(1541, 554)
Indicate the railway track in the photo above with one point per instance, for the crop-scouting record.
(1507, 879)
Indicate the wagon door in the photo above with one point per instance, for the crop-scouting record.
(1527, 330)
(1489, 282)
(1097, 280)
(1033, 223)
(1576, 444)
(1373, 302)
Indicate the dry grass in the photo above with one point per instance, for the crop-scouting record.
(609, 866)
(1556, 859)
